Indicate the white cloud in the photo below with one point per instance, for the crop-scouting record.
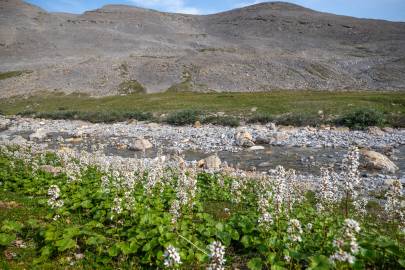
(177, 6)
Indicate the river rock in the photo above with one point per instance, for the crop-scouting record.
(4, 123)
(211, 162)
(40, 134)
(244, 138)
(280, 137)
(256, 148)
(375, 131)
(271, 126)
(197, 124)
(377, 161)
(140, 145)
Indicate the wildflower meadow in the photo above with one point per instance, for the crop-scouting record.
(165, 213)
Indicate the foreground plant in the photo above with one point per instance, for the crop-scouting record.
(153, 213)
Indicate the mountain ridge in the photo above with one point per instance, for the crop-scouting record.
(256, 48)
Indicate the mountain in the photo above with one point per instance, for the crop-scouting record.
(257, 48)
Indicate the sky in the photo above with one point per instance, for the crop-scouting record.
(393, 10)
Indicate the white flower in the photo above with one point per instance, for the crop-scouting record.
(294, 230)
(171, 257)
(217, 254)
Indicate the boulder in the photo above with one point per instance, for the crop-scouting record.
(197, 124)
(40, 134)
(4, 123)
(377, 161)
(212, 162)
(375, 131)
(256, 148)
(140, 145)
(271, 126)
(262, 140)
(244, 139)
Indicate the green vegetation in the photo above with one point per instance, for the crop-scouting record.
(131, 87)
(333, 104)
(261, 118)
(229, 121)
(101, 217)
(362, 118)
(184, 117)
(11, 74)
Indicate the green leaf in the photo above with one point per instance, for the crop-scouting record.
(113, 251)
(401, 262)
(319, 262)
(87, 204)
(219, 226)
(11, 226)
(96, 240)
(6, 239)
(255, 264)
(65, 244)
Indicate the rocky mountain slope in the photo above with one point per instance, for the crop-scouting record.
(258, 48)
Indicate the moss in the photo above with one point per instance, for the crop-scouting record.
(131, 87)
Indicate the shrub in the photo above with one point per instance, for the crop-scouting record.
(397, 121)
(362, 118)
(184, 117)
(94, 117)
(296, 119)
(262, 118)
(222, 121)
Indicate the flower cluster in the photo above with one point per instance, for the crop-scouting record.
(347, 245)
(294, 230)
(171, 257)
(54, 201)
(217, 254)
(328, 192)
(393, 205)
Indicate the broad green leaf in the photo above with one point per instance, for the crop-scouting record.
(65, 244)
(255, 264)
(11, 226)
(6, 239)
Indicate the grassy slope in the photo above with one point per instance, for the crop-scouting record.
(332, 103)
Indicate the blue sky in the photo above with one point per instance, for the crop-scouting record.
(378, 9)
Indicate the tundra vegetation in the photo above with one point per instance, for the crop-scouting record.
(299, 108)
(79, 210)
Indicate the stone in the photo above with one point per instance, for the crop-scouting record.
(40, 134)
(262, 140)
(197, 124)
(254, 109)
(140, 145)
(280, 137)
(74, 140)
(388, 129)
(271, 126)
(212, 162)
(244, 139)
(256, 148)
(377, 161)
(375, 131)
(4, 123)
(264, 164)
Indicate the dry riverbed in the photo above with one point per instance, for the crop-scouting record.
(251, 147)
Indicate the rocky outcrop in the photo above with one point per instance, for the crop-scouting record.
(377, 161)
(210, 163)
(244, 138)
(140, 145)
